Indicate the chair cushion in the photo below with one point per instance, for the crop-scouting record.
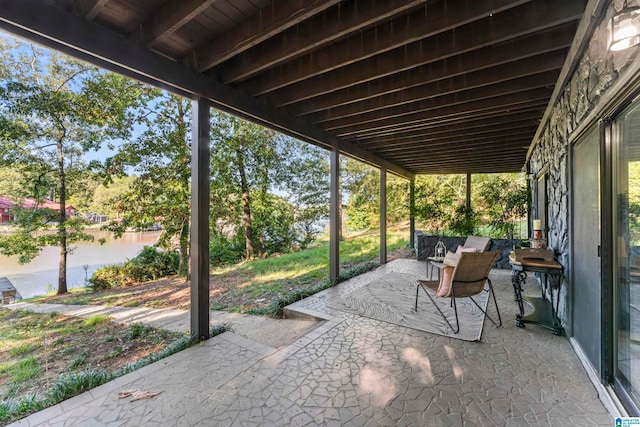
(450, 259)
(462, 249)
(444, 290)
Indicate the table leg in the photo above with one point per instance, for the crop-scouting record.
(517, 279)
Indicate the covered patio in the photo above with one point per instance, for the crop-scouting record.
(409, 87)
(354, 371)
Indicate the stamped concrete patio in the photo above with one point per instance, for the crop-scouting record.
(356, 371)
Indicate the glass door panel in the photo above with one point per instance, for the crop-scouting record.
(627, 250)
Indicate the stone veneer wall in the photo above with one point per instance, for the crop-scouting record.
(597, 71)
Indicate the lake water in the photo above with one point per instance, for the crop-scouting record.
(40, 276)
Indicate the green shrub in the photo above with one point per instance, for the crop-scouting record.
(223, 251)
(149, 264)
(106, 278)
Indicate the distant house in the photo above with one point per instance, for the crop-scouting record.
(47, 204)
(7, 204)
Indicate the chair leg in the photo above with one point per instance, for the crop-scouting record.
(417, 291)
(453, 302)
(495, 302)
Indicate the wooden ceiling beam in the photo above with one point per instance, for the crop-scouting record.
(167, 19)
(535, 68)
(428, 123)
(506, 54)
(496, 155)
(333, 65)
(270, 21)
(504, 104)
(445, 138)
(319, 30)
(457, 100)
(88, 9)
(445, 145)
(468, 159)
(322, 30)
(470, 126)
(513, 165)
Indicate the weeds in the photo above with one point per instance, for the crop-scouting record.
(22, 349)
(79, 361)
(96, 319)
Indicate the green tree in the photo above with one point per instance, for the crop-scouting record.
(161, 159)
(10, 177)
(244, 164)
(105, 199)
(268, 187)
(361, 183)
(306, 183)
(54, 109)
(502, 199)
(439, 199)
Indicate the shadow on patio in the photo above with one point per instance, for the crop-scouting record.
(352, 370)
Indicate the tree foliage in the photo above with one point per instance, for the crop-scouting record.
(53, 110)
(266, 186)
(634, 203)
(160, 157)
(502, 200)
(439, 199)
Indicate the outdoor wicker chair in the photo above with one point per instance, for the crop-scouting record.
(472, 244)
(466, 279)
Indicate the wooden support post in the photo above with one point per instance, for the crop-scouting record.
(200, 158)
(383, 216)
(412, 213)
(334, 217)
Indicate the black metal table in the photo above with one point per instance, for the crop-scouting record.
(545, 311)
(430, 261)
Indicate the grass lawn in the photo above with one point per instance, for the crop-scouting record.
(250, 286)
(46, 358)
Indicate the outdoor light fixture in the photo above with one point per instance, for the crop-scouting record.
(625, 28)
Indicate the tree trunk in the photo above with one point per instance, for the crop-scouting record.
(183, 267)
(264, 188)
(62, 227)
(248, 233)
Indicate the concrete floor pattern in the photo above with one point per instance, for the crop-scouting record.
(355, 371)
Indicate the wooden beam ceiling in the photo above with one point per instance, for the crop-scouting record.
(366, 58)
(167, 19)
(268, 23)
(413, 86)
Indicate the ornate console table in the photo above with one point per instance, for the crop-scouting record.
(545, 311)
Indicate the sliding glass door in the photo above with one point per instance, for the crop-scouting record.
(626, 132)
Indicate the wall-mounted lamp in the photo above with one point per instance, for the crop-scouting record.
(625, 28)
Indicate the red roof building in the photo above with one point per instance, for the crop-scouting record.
(7, 204)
